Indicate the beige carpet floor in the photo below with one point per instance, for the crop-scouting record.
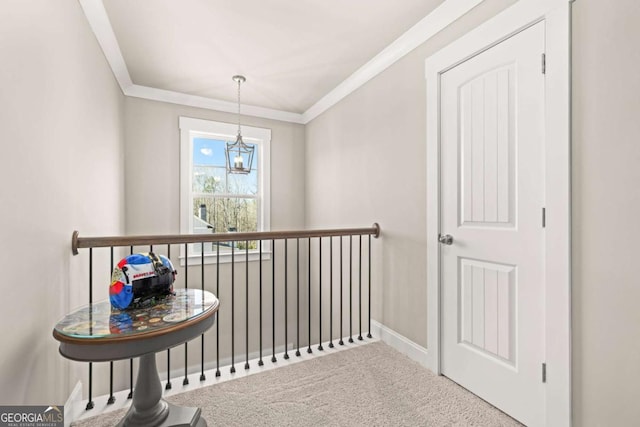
(370, 385)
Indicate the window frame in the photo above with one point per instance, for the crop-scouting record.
(191, 128)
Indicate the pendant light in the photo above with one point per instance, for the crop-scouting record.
(239, 154)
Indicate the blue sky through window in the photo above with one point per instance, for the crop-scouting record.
(209, 158)
(208, 152)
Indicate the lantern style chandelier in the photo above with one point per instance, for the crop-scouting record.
(239, 155)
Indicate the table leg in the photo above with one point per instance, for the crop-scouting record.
(149, 409)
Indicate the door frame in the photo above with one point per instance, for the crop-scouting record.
(556, 15)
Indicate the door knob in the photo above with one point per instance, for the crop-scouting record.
(447, 239)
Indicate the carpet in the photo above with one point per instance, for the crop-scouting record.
(370, 385)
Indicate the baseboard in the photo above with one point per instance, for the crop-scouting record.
(72, 405)
(225, 362)
(401, 343)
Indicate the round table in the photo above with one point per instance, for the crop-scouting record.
(99, 333)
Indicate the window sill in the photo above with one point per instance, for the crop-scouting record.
(239, 256)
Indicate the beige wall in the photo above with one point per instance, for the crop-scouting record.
(152, 207)
(62, 169)
(63, 121)
(606, 205)
(350, 180)
(153, 166)
(356, 175)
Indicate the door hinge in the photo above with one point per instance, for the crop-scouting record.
(544, 372)
(544, 217)
(544, 63)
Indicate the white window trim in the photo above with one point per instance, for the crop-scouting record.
(190, 128)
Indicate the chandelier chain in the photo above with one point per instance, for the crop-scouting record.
(239, 106)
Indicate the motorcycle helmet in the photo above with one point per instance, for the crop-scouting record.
(139, 279)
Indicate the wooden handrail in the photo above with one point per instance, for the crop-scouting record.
(78, 242)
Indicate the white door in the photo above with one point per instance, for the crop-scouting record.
(492, 196)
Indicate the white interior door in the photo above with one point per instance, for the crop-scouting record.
(492, 197)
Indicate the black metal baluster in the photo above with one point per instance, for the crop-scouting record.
(246, 306)
(360, 287)
(233, 279)
(350, 288)
(202, 376)
(218, 314)
(330, 291)
(298, 297)
(320, 348)
(369, 334)
(185, 381)
(150, 248)
(309, 294)
(168, 385)
(130, 395)
(273, 301)
(112, 398)
(90, 402)
(286, 296)
(260, 362)
(341, 342)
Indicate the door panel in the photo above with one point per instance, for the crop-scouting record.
(492, 195)
(486, 315)
(486, 149)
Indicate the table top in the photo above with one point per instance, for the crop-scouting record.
(99, 322)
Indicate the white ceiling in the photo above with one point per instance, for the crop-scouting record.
(299, 56)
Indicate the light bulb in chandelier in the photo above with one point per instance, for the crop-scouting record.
(238, 162)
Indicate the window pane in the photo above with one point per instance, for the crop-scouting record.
(240, 214)
(246, 184)
(224, 215)
(208, 152)
(243, 184)
(209, 170)
(209, 179)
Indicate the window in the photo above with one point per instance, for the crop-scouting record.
(214, 201)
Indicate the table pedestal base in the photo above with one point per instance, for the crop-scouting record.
(148, 409)
(178, 416)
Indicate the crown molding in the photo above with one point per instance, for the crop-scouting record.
(442, 16)
(180, 98)
(439, 18)
(99, 22)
